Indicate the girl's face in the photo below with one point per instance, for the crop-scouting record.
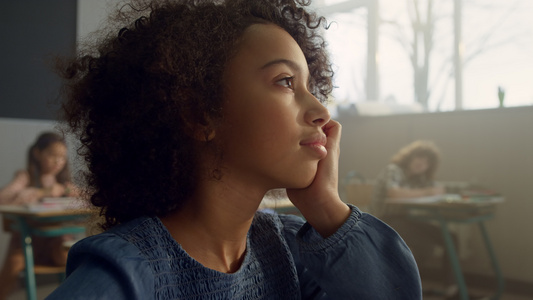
(52, 159)
(272, 131)
(418, 165)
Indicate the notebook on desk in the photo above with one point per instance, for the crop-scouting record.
(469, 198)
(428, 199)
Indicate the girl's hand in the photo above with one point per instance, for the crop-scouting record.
(57, 190)
(51, 188)
(439, 190)
(320, 203)
(48, 180)
(28, 196)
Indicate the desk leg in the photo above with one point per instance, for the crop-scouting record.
(454, 260)
(29, 274)
(493, 260)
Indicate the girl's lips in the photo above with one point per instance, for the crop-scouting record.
(319, 149)
(317, 143)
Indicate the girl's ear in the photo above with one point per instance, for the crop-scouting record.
(203, 133)
(199, 125)
(200, 130)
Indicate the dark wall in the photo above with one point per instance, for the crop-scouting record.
(32, 34)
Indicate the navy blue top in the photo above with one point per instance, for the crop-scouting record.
(285, 259)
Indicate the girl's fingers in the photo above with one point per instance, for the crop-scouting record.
(320, 203)
(324, 185)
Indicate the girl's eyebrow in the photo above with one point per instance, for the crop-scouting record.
(291, 64)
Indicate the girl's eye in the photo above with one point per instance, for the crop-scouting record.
(286, 82)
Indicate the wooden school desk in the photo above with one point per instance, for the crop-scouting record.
(446, 209)
(46, 222)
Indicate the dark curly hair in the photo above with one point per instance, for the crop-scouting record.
(419, 148)
(132, 102)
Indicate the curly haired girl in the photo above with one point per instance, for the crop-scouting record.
(187, 116)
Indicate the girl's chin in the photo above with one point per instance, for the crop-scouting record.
(300, 180)
(302, 184)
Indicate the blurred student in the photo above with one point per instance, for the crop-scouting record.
(410, 174)
(47, 175)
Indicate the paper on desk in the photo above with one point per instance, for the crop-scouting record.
(55, 203)
(428, 199)
(451, 198)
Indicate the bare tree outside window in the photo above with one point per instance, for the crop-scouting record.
(427, 37)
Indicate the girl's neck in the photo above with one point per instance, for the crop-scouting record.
(213, 225)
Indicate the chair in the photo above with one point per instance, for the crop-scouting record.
(357, 190)
(39, 269)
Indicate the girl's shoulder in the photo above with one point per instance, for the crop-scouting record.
(280, 222)
(393, 168)
(21, 178)
(141, 238)
(22, 175)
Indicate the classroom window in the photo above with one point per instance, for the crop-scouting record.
(496, 48)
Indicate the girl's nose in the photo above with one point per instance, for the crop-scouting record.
(316, 113)
(60, 161)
